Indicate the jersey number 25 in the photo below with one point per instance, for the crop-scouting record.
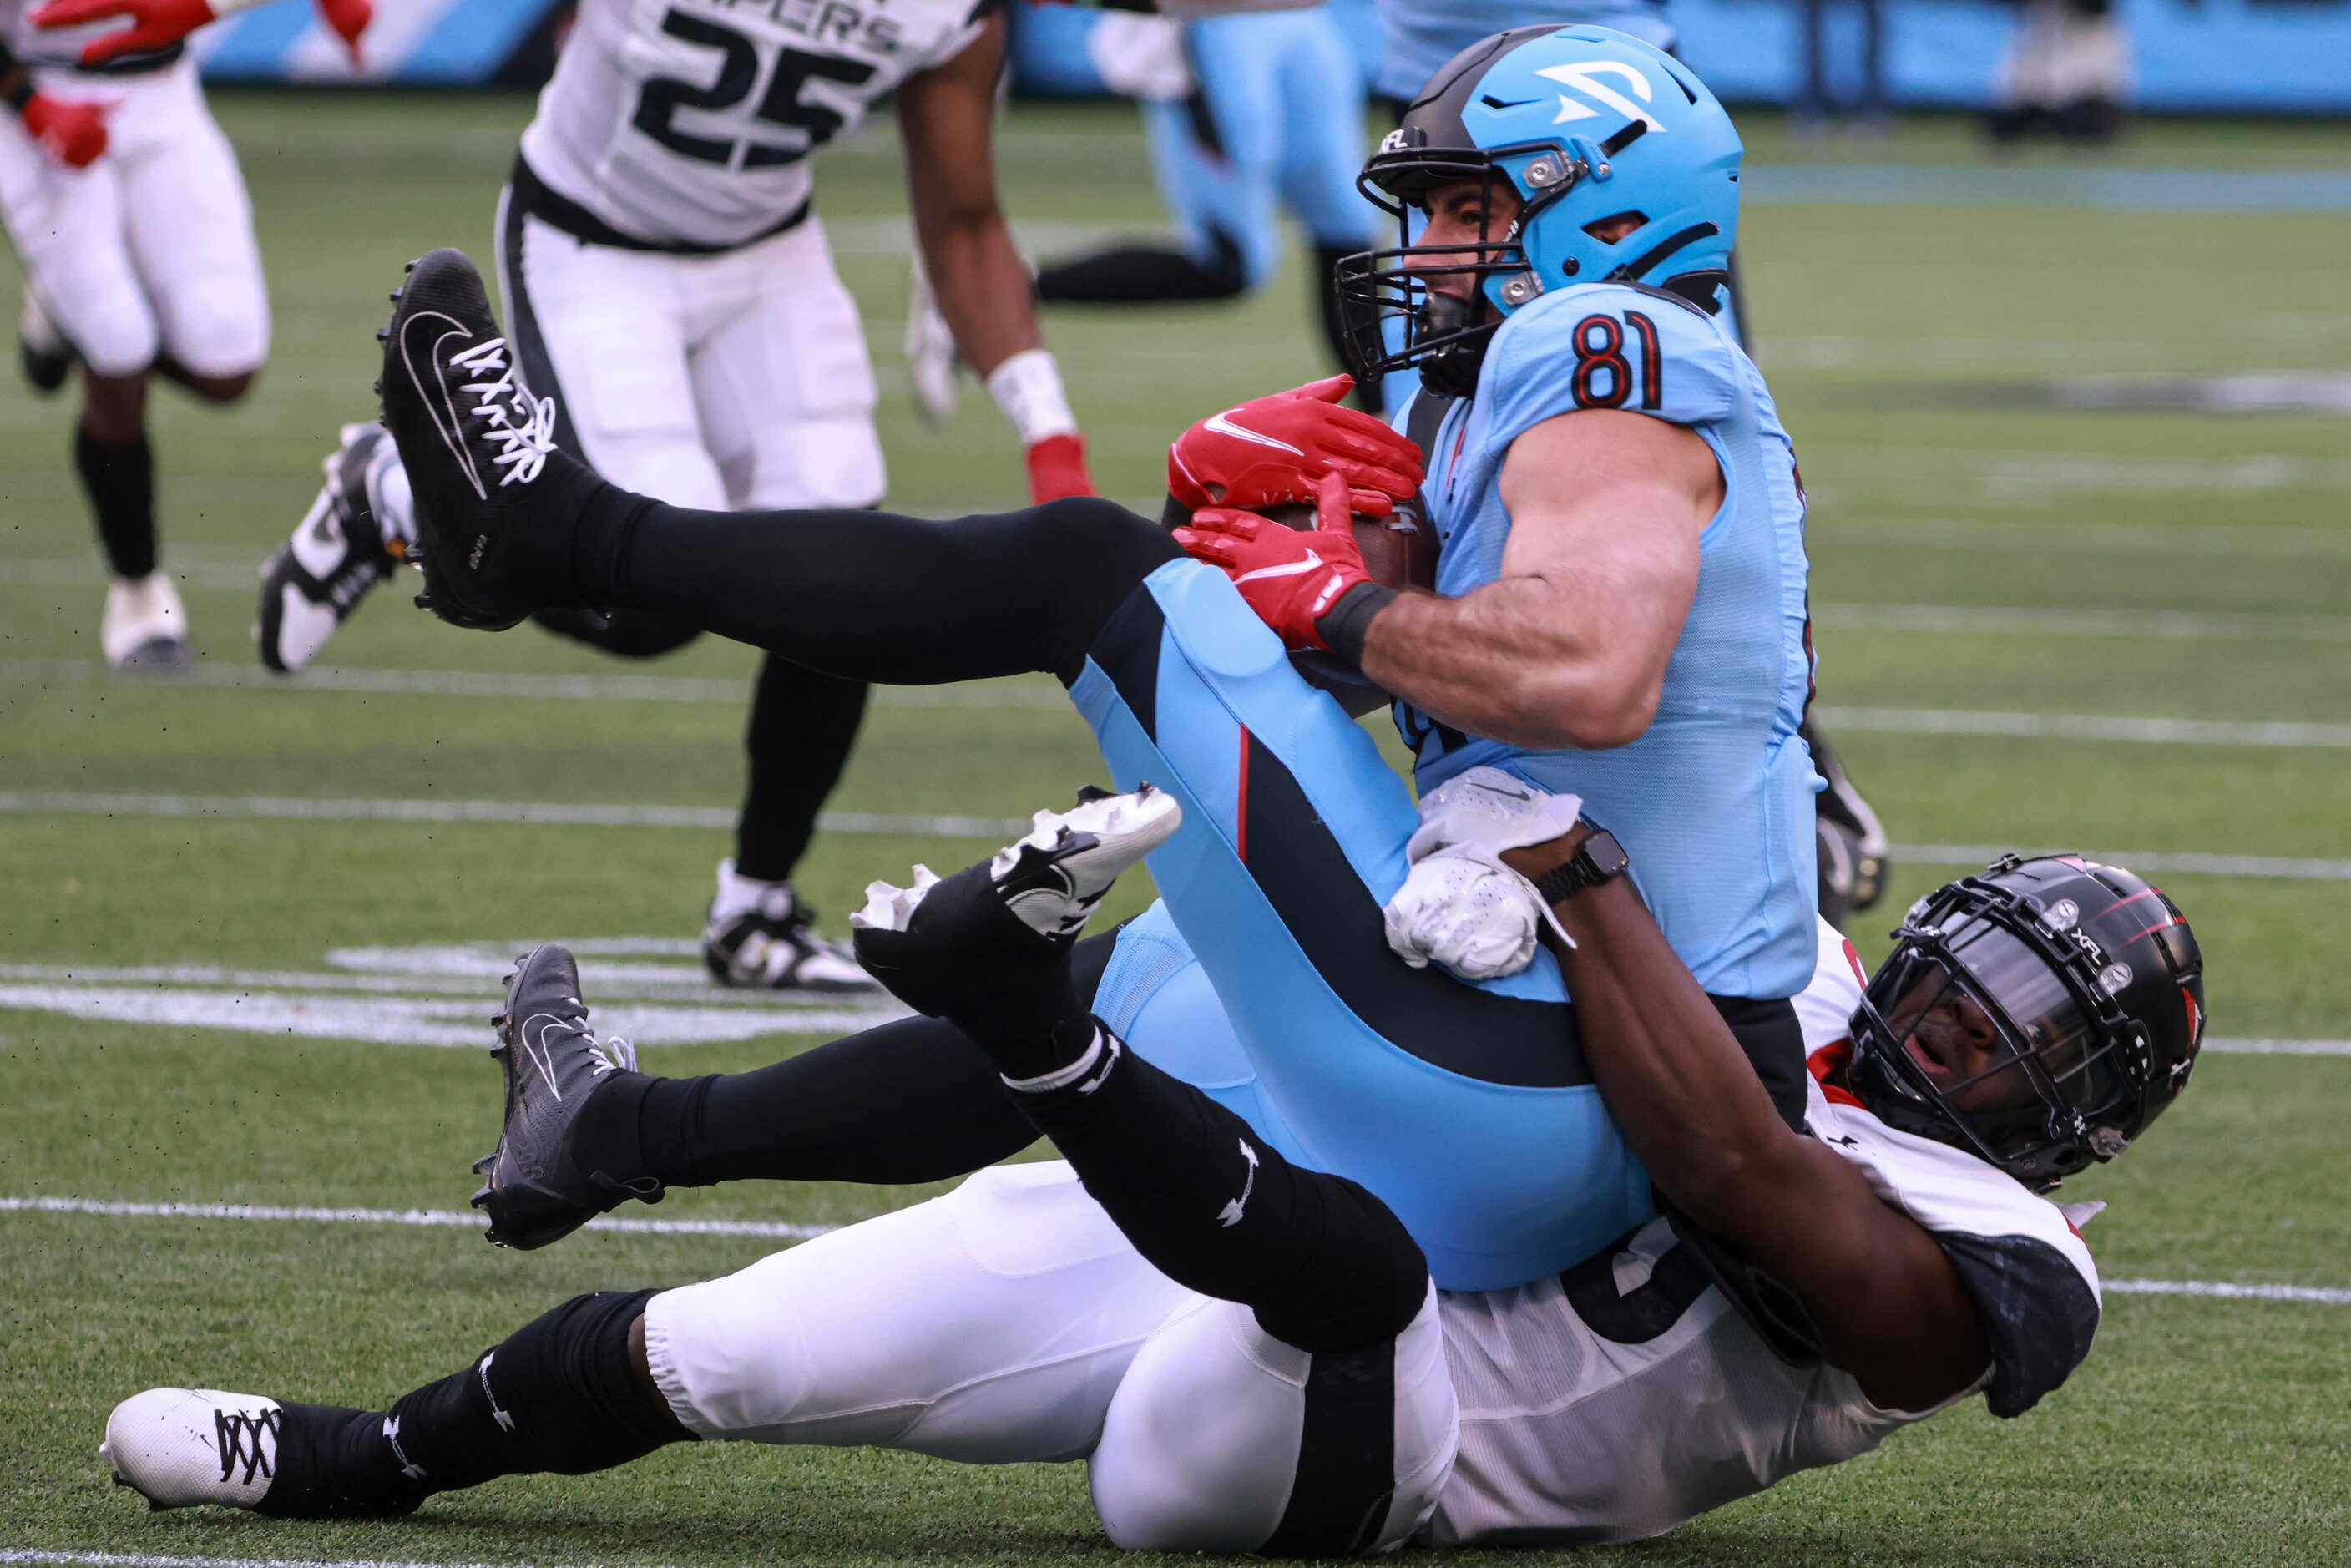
(738, 73)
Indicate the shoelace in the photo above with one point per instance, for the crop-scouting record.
(234, 1430)
(615, 1054)
(523, 425)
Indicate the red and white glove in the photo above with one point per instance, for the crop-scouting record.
(73, 132)
(1270, 451)
(159, 24)
(1291, 577)
(1057, 468)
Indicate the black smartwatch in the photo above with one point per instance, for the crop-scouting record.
(1598, 859)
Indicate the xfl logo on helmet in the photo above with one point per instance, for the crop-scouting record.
(1579, 76)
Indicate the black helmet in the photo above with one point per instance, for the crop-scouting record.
(2093, 989)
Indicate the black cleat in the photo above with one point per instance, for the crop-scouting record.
(984, 940)
(553, 1063)
(473, 440)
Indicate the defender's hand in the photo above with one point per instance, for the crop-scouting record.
(1492, 811)
(348, 19)
(72, 133)
(1290, 576)
(153, 24)
(1056, 469)
(1271, 451)
(1465, 909)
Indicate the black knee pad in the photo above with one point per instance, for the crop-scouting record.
(1364, 1281)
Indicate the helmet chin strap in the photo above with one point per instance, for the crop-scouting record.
(1451, 369)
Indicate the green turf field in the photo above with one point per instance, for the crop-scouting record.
(2043, 625)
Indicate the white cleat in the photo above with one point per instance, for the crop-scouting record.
(1053, 878)
(185, 1448)
(146, 627)
(930, 351)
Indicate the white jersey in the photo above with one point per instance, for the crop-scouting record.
(691, 122)
(1661, 1379)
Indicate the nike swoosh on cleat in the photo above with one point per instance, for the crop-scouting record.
(1292, 569)
(1223, 425)
(445, 418)
(540, 1056)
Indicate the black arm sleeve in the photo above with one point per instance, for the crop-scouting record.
(2038, 1311)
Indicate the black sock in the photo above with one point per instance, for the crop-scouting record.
(860, 595)
(910, 1101)
(121, 483)
(798, 740)
(1324, 1264)
(559, 1395)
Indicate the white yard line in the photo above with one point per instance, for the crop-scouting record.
(459, 1218)
(23, 802)
(463, 1219)
(2270, 734)
(501, 683)
(26, 1557)
(2284, 867)
(2167, 625)
(2280, 1047)
(281, 807)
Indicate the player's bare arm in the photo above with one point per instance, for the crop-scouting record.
(947, 115)
(1569, 646)
(1890, 1307)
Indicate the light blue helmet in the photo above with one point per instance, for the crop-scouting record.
(1585, 125)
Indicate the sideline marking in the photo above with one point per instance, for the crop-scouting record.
(465, 1219)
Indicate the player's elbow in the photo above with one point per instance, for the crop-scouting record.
(1567, 705)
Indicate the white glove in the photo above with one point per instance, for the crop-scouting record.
(1489, 808)
(1463, 908)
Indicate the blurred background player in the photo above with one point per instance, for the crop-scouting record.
(672, 293)
(1244, 111)
(2067, 73)
(129, 216)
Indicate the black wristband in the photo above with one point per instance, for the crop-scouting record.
(1345, 625)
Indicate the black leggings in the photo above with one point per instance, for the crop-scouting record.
(865, 596)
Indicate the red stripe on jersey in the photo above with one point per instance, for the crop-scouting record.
(1827, 1059)
(1240, 803)
(1860, 975)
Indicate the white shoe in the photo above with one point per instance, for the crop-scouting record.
(349, 540)
(762, 935)
(146, 627)
(182, 1448)
(930, 351)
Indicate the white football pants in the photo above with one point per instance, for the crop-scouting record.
(1010, 1320)
(149, 249)
(711, 381)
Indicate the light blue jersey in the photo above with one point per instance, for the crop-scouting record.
(1417, 36)
(1714, 803)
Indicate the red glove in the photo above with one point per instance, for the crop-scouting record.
(1291, 577)
(1270, 451)
(1057, 468)
(154, 24)
(73, 133)
(348, 19)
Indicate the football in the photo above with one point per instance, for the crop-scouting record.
(1397, 557)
